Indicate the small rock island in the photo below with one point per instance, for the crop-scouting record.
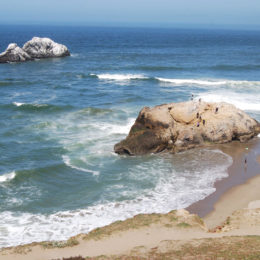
(176, 127)
(36, 48)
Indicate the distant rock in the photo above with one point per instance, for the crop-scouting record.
(37, 48)
(180, 126)
(14, 53)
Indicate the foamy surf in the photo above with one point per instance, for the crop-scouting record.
(178, 81)
(211, 82)
(68, 162)
(244, 101)
(119, 77)
(173, 190)
(192, 81)
(18, 104)
(116, 128)
(7, 177)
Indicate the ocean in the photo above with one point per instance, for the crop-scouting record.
(60, 118)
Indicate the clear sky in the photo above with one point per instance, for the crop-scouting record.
(132, 12)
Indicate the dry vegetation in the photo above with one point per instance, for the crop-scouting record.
(237, 248)
(145, 220)
(60, 244)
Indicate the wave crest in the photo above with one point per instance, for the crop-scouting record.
(69, 163)
(178, 81)
(7, 177)
(119, 77)
(39, 107)
(192, 81)
(245, 102)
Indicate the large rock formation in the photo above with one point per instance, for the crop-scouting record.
(14, 53)
(37, 48)
(180, 126)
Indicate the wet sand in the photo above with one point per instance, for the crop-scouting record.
(239, 173)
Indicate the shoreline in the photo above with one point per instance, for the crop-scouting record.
(147, 231)
(238, 174)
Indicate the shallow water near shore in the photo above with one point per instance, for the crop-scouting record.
(60, 119)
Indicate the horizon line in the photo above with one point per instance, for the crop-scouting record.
(251, 27)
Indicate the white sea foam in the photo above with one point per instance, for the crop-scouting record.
(18, 104)
(7, 177)
(68, 162)
(83, 136)
(244, 101)
(193, 81)
(172, 190)
(120, 77)
(211, 82)
(204, 82)
(117, 128)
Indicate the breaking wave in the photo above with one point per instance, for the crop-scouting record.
(192, 81)
(247, 102)
(119, 77)
(68, 162)
(7, 177)
(178, 81)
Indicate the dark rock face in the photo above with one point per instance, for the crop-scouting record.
(37, 48)
(180, 126)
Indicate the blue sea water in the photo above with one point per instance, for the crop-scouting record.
(60, 118)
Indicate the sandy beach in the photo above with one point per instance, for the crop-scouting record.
(241, 177)
(230, 215)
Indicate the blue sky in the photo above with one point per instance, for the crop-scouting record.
(132, 12)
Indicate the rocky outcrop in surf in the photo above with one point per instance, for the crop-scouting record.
(37, 48)
(14, 53)
(177, 127)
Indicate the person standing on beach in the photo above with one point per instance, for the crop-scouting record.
(245, 164)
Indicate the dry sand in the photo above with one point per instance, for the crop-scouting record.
(239, 173)
(234, 209)
(239, 197)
